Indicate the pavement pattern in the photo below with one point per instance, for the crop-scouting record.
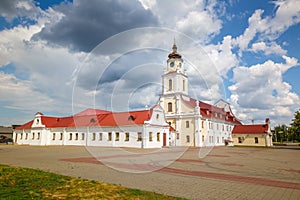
(224, 173)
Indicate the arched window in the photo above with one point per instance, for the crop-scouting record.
(169, 107)
(170, 85)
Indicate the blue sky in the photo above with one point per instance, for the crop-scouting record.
(52, 54)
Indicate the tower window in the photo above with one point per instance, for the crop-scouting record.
(187, 124)
(187, 138)
(183, 85)
(169, 107)
(170, 85)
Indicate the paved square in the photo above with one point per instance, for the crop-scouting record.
(224, 173)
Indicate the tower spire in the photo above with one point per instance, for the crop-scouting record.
(174, 46)
(174, 53)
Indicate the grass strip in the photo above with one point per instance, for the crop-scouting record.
(24, 183)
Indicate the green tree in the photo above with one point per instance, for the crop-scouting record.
(280, 133)
(295, 126)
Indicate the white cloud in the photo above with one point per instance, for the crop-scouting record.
(260, 92)
(222, 55)
(255, 24)
(199, 25)
(267, 49)
(287, 14)
(269, 28)
(21, 93)
(198, 19)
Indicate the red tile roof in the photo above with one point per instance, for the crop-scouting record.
(91, 111)
(250, 129)
(211, 111)
(92, 117)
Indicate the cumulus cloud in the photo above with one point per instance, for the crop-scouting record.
(259, 91)
(198, 19)
(269, 28)
(268, 49)
(85, 25)
(11, 9)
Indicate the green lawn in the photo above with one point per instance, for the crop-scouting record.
(24, 183)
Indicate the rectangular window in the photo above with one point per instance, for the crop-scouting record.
(117, 136)
(223, 140)
(26, 136)
(187, 124)
(187, 138)
(21, 136)
(39, 135)
(127, 136)
(202, 124)
(82, 136)
(76, 136)
(139, 136)
(32, 135)
(109, 136)
(183, 85)
(94, 136)
(157, 137)
(202, 138)
(53, 136)
(70, 136)
(170, 85)
(150, 136)
(218, 139)
(169, 107)
(256, 140)
(100, 136)
(240, 139)
(61, 136)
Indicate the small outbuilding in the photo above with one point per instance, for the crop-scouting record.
(253, 135)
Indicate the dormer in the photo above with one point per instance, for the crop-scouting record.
(157, 116)
(37, 122)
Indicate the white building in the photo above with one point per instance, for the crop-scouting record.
(176, 120)
(195, 123)
(139, 129)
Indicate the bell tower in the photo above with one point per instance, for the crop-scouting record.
(174, 79)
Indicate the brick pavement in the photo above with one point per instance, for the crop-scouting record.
(225, 173)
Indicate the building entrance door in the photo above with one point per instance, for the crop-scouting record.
(164, 139)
